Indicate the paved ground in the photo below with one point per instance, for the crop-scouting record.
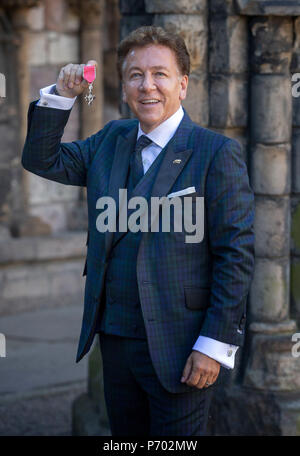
(39, 378)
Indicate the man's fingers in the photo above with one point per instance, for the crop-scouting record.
(210, 380)
(200, 369)
(195, 376)
(208, 376)
(187, 369)
(79, 74)
(202, 381)
(67, 72)
(206, 381)
(73, 70)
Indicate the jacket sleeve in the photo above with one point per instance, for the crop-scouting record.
(230, 216)
(44, 154)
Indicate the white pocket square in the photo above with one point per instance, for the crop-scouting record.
(184, 191)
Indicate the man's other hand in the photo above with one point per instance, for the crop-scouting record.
(199, 370)
(70, 82)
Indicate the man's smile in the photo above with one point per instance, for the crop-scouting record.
(150, 101)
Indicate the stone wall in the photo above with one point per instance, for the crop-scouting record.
(43, 223)
(53, 43)
(243, 53)
(53, 33)
(40, 263)
(10, 170)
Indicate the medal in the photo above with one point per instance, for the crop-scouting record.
(89, 74)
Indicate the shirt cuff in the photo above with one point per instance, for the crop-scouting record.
(54, 101)
(221, 352)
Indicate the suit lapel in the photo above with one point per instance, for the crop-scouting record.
(176, 157)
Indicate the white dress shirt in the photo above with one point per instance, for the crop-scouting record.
(160, 136)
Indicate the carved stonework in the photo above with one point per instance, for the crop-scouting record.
(268, 7)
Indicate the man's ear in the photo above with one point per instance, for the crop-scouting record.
(183, 87)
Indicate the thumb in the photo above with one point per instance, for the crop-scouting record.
(187, 369)
(92, 62)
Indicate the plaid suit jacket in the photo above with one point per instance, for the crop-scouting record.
(185, 289)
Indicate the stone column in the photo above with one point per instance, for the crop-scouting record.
(91, 43)
(17, 16)
(295, 228)
(264, 399)
(9, 122)
(271, 368)
(228, 71)
(271, 103)
(18, 10)
(21, 27)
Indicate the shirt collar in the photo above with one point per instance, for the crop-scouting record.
(162, 134)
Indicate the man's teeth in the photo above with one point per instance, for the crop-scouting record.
(150, 101)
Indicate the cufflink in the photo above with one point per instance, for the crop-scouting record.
(45, 103)
(229, 352)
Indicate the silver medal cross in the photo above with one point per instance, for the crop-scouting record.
(90, 97)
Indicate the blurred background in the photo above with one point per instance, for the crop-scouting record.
(243, 56)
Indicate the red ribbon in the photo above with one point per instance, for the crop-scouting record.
(89, 73)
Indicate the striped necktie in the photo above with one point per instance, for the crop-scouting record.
(137, 163)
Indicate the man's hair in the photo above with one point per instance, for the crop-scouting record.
(146, 35)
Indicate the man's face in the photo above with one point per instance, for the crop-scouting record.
(152, 84)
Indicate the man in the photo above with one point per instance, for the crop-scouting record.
(168, 313)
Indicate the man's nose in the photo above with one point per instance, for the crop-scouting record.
(147, 83)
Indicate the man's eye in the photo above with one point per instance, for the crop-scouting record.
(135, 75)
(160, 73)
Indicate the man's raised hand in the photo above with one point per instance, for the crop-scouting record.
(70, 81)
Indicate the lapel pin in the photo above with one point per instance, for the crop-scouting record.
(178, 160)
